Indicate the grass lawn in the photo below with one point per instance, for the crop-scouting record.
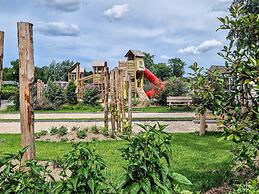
(164, 109)
(204, 160)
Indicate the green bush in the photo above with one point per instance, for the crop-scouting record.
(81, 134)
(15, 98)
(252, 187)
(8, 91)
(149, 158)
(61, 131)
(91, 95)
(174, 87)
(71, 93)
(95, 129)
(54, 94)
(14, 178)
(86, 172)
(41, 133)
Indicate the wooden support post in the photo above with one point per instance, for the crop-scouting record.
(129, 103)
(112, 103)
(202, 123)
(117, 92)
(122, 104)
(26, 77)
(1, 62)
(106, 98)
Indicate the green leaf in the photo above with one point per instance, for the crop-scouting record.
(181, 179)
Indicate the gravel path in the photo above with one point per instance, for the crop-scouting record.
(173, 126)
(97, 115)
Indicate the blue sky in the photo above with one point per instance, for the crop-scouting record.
(88, 30)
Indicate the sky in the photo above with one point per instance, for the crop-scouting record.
(89, 30)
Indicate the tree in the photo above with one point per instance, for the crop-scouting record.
(149, 61)
(41, 73)
(58, 71)
(71, 93)
(12, 73)
(162, 71)
(91, 95)
(175, 86)
(54, 94)
(177, 67)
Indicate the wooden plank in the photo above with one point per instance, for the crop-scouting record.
(129, 103)
(117, 93)
(1, 62)
(26, 77)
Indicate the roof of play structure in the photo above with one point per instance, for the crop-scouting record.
(99, 63)
(136, 53)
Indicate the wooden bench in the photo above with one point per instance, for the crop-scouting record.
(179, 100)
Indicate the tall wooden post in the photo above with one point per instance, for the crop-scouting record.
(112, 102)
(129, 102)
(117, 92)
(202, 123)
(26, 77)
(106, 98)
(1, 62)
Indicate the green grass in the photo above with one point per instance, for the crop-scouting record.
(164, 109)
(66, 108)
(204, 160)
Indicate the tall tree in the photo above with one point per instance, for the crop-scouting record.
(177, 67)
(58, 71)
(149, 60)
(162, 71)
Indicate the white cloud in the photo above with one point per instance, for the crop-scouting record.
(117, 11)
(202, 48)
(64, 5)
(164, 57)
(57, 29)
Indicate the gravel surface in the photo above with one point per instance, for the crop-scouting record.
(173, 126)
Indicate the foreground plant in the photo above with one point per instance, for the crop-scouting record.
(17, 176)
(149, 157)
(82, 172)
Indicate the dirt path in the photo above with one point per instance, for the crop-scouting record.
(97, 115)
(173, 126)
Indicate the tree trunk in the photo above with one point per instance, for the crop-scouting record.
(26, 77)
(202, 123)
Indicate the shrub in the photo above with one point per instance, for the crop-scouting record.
(15, 98)
(41, 133)
(81, 134)
(71, 93)
(61, 131)
(173, 87)
(8, 91)
(13, 178)
(91, 95)
(86, 172)
(95, 129)
(54, 94)
(54, 130)
(149, 157)
(251, 187)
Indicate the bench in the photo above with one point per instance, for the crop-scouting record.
(179, 100)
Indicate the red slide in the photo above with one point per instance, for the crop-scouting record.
(154, 80)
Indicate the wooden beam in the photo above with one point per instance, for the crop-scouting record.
(26, 77)
(129, 102)
(1, 62)
(112, 103)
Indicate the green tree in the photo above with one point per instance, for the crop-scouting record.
(58, 71)
(149, 61)
(162, 71)
(41, 73)
(71, 93)
(91, 95)
(177, 67)
(54, 94)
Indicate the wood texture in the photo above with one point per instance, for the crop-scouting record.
(1, 62)
(202, 124)
(112, 103)
(106, 98)
(129, 102)
(26, 77)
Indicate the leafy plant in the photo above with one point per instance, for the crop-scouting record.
(41, 133)
(95, 129)
(86, 172)
(17, 176)
(54, 94)
(91, 95)
(54, 130)
(62, 130)
(251, 187)
(149, 157)
(81, 134)
(71, 93)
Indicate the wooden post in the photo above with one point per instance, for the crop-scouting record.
(112, 102)
(117, 92)
(129, 102)
(26, 77)
(202, 123)
(1, 62)
(106, 98)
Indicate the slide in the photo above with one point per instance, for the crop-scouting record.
(154, 80)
